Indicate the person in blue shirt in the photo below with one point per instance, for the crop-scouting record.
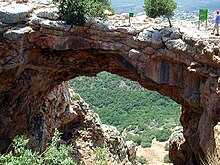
(217, 22)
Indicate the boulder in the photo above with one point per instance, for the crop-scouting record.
(15, 13)
(47, 13)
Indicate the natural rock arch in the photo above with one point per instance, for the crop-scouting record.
(38, 56)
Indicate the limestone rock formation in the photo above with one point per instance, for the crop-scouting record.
(178, 150)
(37, 54)
(217, 139)
(81, 127)
(15, 13)
(56, 111)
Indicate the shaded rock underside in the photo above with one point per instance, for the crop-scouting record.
(37, 54)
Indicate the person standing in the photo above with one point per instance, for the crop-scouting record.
(217, 22)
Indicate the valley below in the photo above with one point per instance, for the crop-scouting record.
(115, 90)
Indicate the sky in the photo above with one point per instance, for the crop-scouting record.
(136, 6)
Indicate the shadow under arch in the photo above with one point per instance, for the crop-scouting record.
(44, 69)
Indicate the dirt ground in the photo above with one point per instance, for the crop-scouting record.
(155, 154)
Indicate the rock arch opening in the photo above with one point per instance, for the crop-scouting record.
(45, 69)
(36, 57)
(140, 114)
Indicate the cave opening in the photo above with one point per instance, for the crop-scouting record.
(139, 114)
(45, 70)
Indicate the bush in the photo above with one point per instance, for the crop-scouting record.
(135, 138)
(142, 160)
(76, 12)
(156, 8)
(166, 147)
(166, 159)
(57, 155)
(100, 156)
(20, 155)
(163, 135)
(145, 144)
(76, 97)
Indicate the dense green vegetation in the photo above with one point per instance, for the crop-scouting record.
(127, 105)
(142, 160)
(21, 155)
(77, 12)
(157, 8)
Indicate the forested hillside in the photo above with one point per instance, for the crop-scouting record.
(127, 105)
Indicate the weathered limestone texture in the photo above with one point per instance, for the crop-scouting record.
(37, 54)
(217, 138)
(80, 126)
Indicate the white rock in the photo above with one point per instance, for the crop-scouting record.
(14, 13)
(2, 4)
(48, 13)
(134, 54)
(176, 44)
(151, 36)
(15, 33)
(46, 2)
(175, 35)
(125, 15)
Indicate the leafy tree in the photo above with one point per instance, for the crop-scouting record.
(156, 8)
(76, 12)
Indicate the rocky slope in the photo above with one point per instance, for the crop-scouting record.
(81, 127)
(39, 52)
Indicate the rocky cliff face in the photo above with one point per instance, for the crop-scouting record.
(39, 52)
(81, 127)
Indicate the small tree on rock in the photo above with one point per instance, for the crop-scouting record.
(76, 12)
(156, 8)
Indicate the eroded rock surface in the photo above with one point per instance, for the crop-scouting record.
(38, 54)
(81, 127)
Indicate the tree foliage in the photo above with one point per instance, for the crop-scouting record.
(142, 160)
(157, 8)
(127, 105)
(77, 12)
(21, 155)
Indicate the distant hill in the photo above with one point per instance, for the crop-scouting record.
(136, 6)
(125, 104)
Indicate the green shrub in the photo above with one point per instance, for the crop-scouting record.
(100, 155)
(20, 155)
(76, 12)
(166, 147)
(163, 135)
(135, 138)
(76, 97)
(166, 159)
(145, 144)
(57, 155)
(142, 160)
